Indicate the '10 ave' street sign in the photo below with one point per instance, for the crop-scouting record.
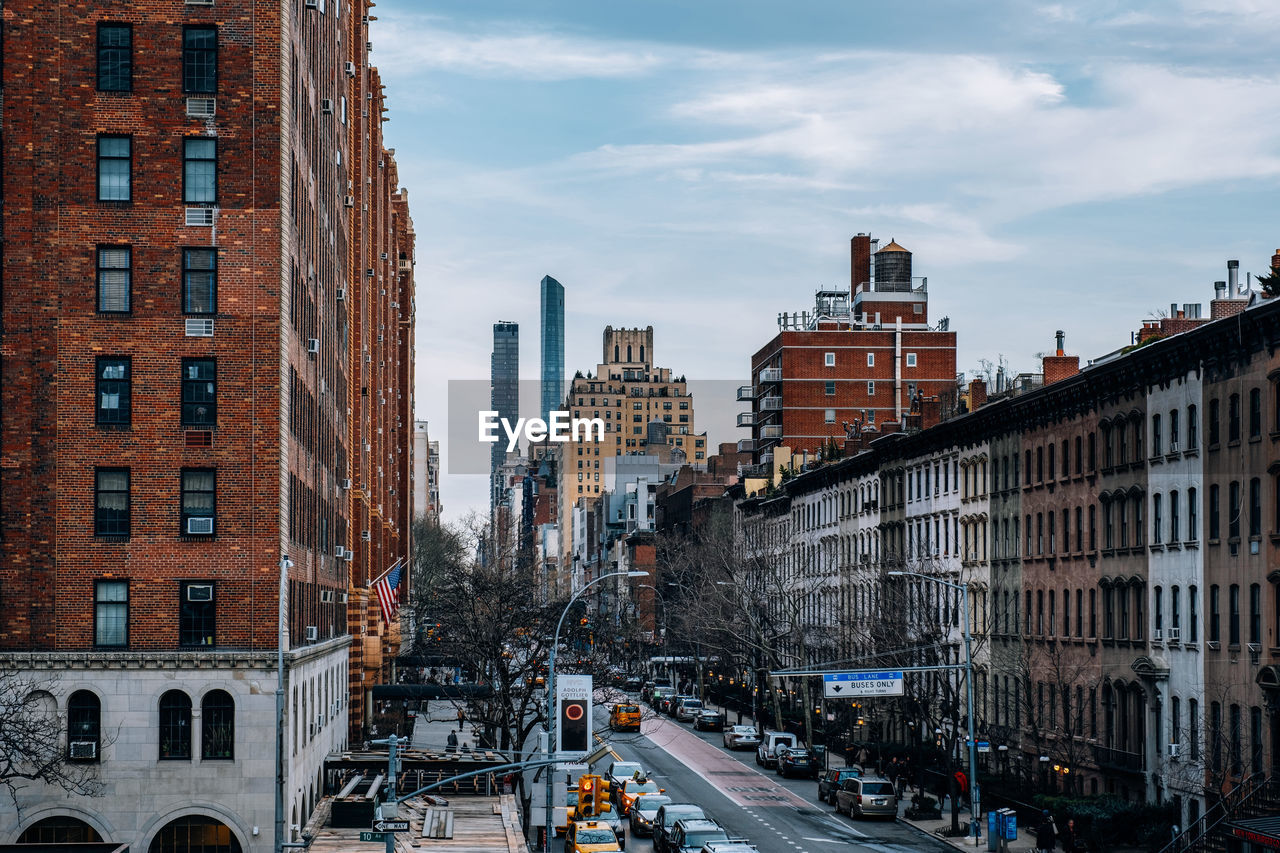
(853, 685)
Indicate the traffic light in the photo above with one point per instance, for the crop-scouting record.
(586, 795)
(601, 804)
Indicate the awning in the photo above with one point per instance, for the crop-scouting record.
(1260, 831)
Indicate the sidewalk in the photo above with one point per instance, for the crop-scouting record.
(1025, 842)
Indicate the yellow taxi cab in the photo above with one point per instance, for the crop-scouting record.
(633, 788)
(590, 836)
(625, 717)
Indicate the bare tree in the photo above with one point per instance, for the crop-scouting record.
(33, 747)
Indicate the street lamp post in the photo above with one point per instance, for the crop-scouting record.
(551, 693)
(974, 799)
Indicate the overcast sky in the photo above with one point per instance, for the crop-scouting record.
(701, 166)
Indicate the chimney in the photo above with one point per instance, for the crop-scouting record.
(930, 412)
(1233, 278)
(1275, 260)
(1219, 290)
(1060, 336)
(1225, 303)
(1060, 366)
(860, 267)
(977, 393)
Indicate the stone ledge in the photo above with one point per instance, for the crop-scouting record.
(187, 659)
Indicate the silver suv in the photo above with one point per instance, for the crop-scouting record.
(867, 797)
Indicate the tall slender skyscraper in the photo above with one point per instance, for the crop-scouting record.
(504, 393)
(552, 345)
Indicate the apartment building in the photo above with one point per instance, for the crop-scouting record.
(206, 406)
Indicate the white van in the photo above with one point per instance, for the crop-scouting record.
(767, 751)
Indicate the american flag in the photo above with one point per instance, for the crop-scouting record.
(388, 590)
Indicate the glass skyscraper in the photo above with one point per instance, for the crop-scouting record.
(552, 345)
(504, 394)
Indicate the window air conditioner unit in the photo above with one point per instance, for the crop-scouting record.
(1159, 635)
(350, 68)
(383, 256)
(346, 484)
(369, 272)
(366, 536)
(340, 551)
(200, 592)
(319, 721)
(198, 217)
(1173, 750)
(395, 305)
(84, 749)
(199, 526)
(312, 634)
(199, 327)
(342, 596)
(349, 201)
(341, 294)
(368, 448)
(1175, 634)
(199, 2)
(326, 106)
(1173, 447)
(313, 345)
(313, 4)
(201, 107)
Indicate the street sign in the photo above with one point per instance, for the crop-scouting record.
(373, 836)
(984, 746)
(391, 826)
(854, 685)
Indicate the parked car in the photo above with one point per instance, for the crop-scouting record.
(670, 703)
(666, 819)
(625, 717)
(687, 710)
(741, 737)
(658, 695)
(632, 683)
(644, 811)
(767, 751)
(866, 797)
(646, 689)
(798, 761)
(688, 835)
(830, 781)
(708, 720)
(731, 846)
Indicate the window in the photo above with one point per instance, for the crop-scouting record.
(1156, 440)
(871, 359)
(198, 501)
(111, 613)
(1193, 426)
(1174, 522)
(199, 281)
(113, 391)
(830, 416)
(111, 502)
(197, 612)
(1159, 614)
(217, 725)
(911, 359)
(1233, 418)
(115, 279)
(1215, 435)
(1214, 514)
(830, 359)
(1108, 612)
(200, 170)
(1255, 507)
(871, 389)
(831, 389)
(175, 725)
(1193, 728)
(1255, 413)
(1215, 619)
(1233, 510)
(1157, 518)
(115, 168)
(84, 726)
(1234, 623)
(1193, 529)
(199, 392)
(1093, 613)
(200, 60)
(115, 57)
(1255, 614)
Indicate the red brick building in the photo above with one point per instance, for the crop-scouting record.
(857, 359)
(207, 365)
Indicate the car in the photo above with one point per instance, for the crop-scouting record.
(666, 819)
(616, 824)
(708, 720)
(626, 794)
(733, 845)
(590, 836)
(625, 717)
(867, 797)
(830, 780)
(797, 761)
(621, 771)
(687, 710)
(741, 737)
(631, 683)
(643, 812)
(688, 835)
(767, 751)
(658, 695)
(667, 704)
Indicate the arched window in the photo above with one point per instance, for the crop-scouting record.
(84, 726)
(59, 830)
(195, 834)
(218, 726)
(175, 725)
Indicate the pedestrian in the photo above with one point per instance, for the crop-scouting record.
(1071, 838)
(452, 742)
(1046, 834)
(462, 717)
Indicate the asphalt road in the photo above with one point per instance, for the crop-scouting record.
(777, 815)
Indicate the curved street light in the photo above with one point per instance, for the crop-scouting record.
(551, 692)
(974, 799)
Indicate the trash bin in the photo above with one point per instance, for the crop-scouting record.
(993, 831)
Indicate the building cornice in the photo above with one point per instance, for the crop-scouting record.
(135, 660)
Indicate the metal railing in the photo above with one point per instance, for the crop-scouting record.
(1221, 811)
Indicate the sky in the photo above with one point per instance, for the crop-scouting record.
(700, 165)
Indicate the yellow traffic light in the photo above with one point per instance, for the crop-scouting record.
(601, 803)
(586, 795)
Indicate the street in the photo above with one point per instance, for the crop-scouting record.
(775, 814)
